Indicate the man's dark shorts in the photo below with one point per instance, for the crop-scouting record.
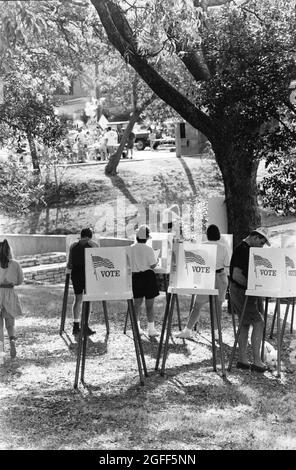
(237, 297)
(78, 281)
(145, 285)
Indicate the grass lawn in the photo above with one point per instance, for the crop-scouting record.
(191, 407)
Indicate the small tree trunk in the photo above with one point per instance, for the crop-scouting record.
(240, 184)
(111, 167)
(33, 150)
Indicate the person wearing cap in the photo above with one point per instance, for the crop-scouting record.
(239, 266)
(144, 283)
(222, 264)
(171, 221)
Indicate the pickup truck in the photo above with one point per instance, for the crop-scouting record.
(141, 134)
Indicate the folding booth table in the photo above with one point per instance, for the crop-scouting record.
(192, 273)
(271, 274)
(108, 278)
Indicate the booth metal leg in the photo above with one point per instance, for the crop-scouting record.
(79, 348)
(178, 313)
(237, 335)
(285, 322)
(169, 326)
(273, 322)
(104, 303)
(167, 307)
(139, 338)
(65, 302)
(264, 327)
(84, 325)
(292, 315)
(220, 338)
(137, 342)
(213, 334)
(125, 323)
(278, 310)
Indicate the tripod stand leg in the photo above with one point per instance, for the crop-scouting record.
(169, 325)
(237, 335)
(84, 338)
(278, 311)
(65, 302)
(167, 307)
(264, 328)
(285, 322)
(79, 348)
(292, 315)
(218, 319)
(106, 316)
(139, 337)
(213, 334)
(125, 323)
(273, 323)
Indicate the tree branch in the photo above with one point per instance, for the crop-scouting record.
(120, 35)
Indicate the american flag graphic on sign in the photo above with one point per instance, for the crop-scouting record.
(99, 262)
(191, 257)
(289, 262)
(260, 261)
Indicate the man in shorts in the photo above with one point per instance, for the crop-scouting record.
(239, 266)
(76, 265)
(144, 283)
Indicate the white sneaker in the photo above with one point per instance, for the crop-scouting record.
(183, 334)
(153, 332)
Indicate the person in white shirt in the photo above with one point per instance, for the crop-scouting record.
(222, 265)
(11, 275)
(144, 283)
(111, 139)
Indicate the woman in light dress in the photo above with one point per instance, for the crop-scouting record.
(11, 275)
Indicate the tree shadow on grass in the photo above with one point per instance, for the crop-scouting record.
(120, 184)
(189, 176)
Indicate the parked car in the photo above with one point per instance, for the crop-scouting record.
(141, 134)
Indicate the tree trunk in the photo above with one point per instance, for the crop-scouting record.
(111, 167)
(33, 150)
(239, 173)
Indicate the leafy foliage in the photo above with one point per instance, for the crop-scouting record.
(20, 191)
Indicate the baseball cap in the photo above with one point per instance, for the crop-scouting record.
(264, 233)
(143, 232)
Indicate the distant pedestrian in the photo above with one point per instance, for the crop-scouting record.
(152, 137)
(11, 275)
(111, 137)
(130, 145)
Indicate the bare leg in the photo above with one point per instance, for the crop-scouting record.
(76, 307)
(243, 344)
(194, 314)
(1, 329)
(149, 303)
(256, 340)
(138, 304)
(10, 326)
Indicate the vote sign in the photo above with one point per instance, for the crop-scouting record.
(195, 266)
(272, 271)
(108, 274)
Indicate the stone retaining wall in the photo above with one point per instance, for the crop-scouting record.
(50, 273)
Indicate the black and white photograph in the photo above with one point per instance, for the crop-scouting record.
(147, 229)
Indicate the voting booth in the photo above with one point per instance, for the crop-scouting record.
(271, 274)
(192, 273)
(108, 277)
(162, 244)
(70, 239)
